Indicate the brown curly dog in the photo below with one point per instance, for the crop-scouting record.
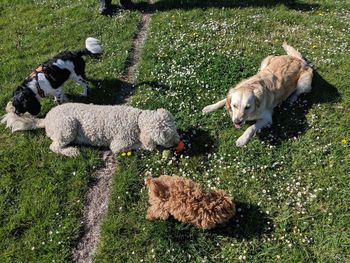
(187, 202)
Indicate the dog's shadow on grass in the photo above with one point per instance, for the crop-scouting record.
(197, 142)
(248, 223)
(105, 92)
(289, 121)
(114, 10)
(166, 5)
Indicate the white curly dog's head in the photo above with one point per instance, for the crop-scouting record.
(158, 128)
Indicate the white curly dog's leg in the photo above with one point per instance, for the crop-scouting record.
(117, 146)
(61, 149)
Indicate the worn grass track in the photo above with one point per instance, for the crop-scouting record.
(290, 182)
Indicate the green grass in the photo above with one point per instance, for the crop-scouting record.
(290, 181)
(41, 193)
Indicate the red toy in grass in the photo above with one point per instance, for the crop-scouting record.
(180, 146)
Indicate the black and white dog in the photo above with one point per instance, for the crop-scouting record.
(48, 78)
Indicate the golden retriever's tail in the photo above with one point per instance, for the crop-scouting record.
(21, 123)
(291, 51)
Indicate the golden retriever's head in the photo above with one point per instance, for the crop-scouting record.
(240, 104)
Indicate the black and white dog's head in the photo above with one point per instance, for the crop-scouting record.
(24, 100)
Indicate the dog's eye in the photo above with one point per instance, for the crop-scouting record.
(235, 106)
(247, 107)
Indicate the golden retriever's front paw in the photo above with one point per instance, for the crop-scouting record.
(243, 140)
(207, 109)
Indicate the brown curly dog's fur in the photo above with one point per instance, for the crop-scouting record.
(187, 202)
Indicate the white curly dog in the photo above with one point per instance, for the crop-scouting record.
(118, 127)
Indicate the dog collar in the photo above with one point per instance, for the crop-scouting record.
(34, 74)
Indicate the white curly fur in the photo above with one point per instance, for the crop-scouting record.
(118, 127)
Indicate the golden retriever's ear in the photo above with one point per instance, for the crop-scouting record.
(257, 95)
(228, 103)
(257, 102)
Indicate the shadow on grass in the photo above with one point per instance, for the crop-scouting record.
(289, 121)
(114, 10)
(197, 142)
(166, 5)
(248, 223)
(106, 92)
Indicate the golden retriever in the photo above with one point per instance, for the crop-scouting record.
(278, 78)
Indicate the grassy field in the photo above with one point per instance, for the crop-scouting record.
(41, 193)
(290, 182)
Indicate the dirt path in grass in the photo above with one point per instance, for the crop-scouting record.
(96, 207)
(98, 195)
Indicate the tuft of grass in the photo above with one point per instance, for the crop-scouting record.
(290, 182)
